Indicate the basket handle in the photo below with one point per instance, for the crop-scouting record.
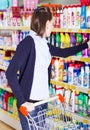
(24, 111)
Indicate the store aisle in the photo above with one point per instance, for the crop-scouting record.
(3, 126)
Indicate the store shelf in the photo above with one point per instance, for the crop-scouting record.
(77, 117)
(71, 30)
(11, 28)
(78, 58)
(24, 28)
(69, 86)
(10, 120)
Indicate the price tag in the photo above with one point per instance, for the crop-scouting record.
(73, 87)
(63, 84)
(79, 30)
(68, 86)
(85, 121)
(89, 91)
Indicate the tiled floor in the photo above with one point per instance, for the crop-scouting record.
(3, 126)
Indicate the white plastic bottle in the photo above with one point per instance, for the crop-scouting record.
(88, 17)
(78, 13)
(73, 17)
(69, 16)
(56, 68)
(81, 77)
(86, 76)
(70, 73)
(64, 17)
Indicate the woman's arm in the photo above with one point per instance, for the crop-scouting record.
(56, 51)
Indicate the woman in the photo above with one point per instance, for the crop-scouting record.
(32, 59)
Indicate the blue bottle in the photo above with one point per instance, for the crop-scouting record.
(83, 16)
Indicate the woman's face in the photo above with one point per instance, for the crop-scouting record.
(49, 28)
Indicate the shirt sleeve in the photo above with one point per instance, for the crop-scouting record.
(56, 51)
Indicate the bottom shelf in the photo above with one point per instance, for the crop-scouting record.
(9, 120)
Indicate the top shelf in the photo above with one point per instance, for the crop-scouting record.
(71, 30)
(23, 28)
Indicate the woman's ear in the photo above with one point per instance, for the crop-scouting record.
(47, 24)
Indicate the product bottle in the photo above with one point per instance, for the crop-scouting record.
(72, 39)
(62, 40)
(65, 71)
(10, 104)
(1, 97)
(88, 106)
(76, 73)
(64, 16)
(76, 101)
(72, 101)
(52, 76)
(85, 105)
(57, 18)
(73, 16)
(81, 77)
(79, 40)
(85, 39)
(83, 16)
(78, 13)
(69, 16)
(61, 69)
(88, 16)
(86, 76)
(56, 68)
(6, 96)
(80, 103)
(88, 50)
(67, 40)
(53, 39)
(58, 40)
(70, 73)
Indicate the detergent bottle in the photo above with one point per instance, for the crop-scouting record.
(80, 103)
(72, 39)
(83, 15)
(57, 40)
(88, 50)
(79, 40)
(62, 40)
(67, 40)
(1, 97)
(85, 105)
(88, 15)
(85, 39)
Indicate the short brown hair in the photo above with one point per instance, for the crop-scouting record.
(39, 19)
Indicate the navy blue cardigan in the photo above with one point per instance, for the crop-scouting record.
(24, 61)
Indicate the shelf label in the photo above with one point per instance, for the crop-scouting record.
(89, 92)
(85, 121)
(73, 87)
(68, 86)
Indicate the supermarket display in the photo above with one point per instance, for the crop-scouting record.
(69, 76)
